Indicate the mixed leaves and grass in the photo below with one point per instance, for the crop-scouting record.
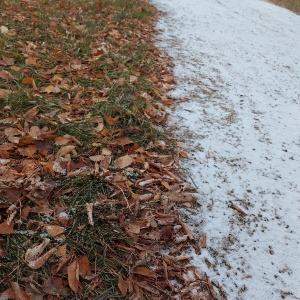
(293, 5)
(88, 190)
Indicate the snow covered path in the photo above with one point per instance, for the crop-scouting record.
(239, 64)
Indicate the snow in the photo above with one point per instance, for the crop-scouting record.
(238, 63)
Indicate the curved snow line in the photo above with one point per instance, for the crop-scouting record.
(238, 62)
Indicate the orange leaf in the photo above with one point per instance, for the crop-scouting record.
(6, 228)
(123, 285)
(54, 230)
(123, 161)
(31, 61)
(84, 266)
(52, 89)
(28, 81)
(61, 250)
(73, 276)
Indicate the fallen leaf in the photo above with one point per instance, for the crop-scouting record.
(4, 93)
(31, 61)
(4, 29)
(6, 75)
(123, 285)
(73, 276)
(33, 258)
(61, 250)
(111, 121)
(89, 208)
(52, 89)
(7, 228)
(123, 161)
(121, 142)
(132, 78)
(84, 266)
(65, 150)
(145, 272)
(20, 295)
(183, 154)
(54, 230)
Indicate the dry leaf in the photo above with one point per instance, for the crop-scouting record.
(65, 150)
(61, 250)
(20, 295)
(54, 230)
(52, 89)
(145, 272)
(123, 285)
(183, 154)
(84, 266)
(4, 93)
(89, 208)
(31, 61)
(4, 29)
(73, 276)
(33, 258)
(6, 75)
(7, 228)
(123, 161)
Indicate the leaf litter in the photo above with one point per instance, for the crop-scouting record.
(89, 191)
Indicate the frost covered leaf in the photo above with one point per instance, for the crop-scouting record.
(54, 230)
(33, 258)
(123, 161)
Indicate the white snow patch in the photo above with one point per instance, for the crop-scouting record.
(238, 62)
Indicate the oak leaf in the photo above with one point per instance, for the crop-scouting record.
(123, 161)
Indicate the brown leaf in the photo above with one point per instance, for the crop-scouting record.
(7, 228)
(123, 161)
(73, 276)
(31, 61)
(89, 208)
(33, 258)
(25, 140)
(20, 295)
(61, 250)
(111, 121)
(6, 75)
(54, 230)
(145, 272)
(60, 140)
(65, 150)
(121, 142)
(4, 93)
(183, 154)
(28, 81)
(27, 151)
(84, 266)
(123, 285)
(52, 89)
